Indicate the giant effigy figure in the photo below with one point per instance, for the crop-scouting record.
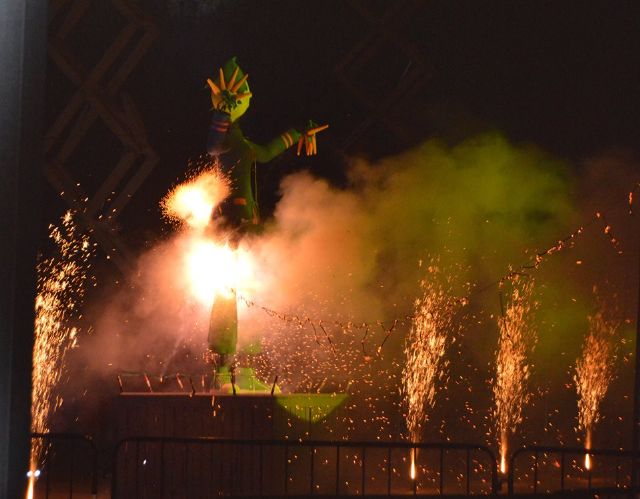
(237, 157)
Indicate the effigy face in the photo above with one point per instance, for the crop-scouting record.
(230, 91)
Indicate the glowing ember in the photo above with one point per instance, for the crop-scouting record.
(193, 201)
(214, 269)
(517, 338)
(594, 372)
(60, 288)
(587, 461)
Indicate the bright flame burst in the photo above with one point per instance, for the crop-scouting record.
(517, 338)
(211, 268)
(193, 201)
(214, 269)
(594, 372)
(425, 350)
(60, 289)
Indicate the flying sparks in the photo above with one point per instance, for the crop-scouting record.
(60, 289)
(193, 201)
(594, 372)
(517, 338)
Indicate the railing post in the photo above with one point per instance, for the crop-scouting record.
(535, 474)
(114, 470)
(286, 470)
(312, 470)
(363, 468)
(162, 469)
(389, 471)
(72, 465)
(261, 469)
(135, 468)
(337, 469)
(441, 485)
(468, 465)
(510, 473)
(94, 468)
(186, 468)
(46, 485)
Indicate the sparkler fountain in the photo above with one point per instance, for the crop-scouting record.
(425, 350)
(60, 289)
(517, 338)
(593, 373)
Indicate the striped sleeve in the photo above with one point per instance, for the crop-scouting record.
(220, 123)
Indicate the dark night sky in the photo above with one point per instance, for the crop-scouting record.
(562, 75)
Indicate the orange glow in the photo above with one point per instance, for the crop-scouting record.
(587, 444)
(412, 471)
(30, 487)
(193, 201)
(503, 454)
(215, 269)
(33, 475)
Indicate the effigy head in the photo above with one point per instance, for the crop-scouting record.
(230, 90)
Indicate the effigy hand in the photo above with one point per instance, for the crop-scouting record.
(308, 138)
(225, 97)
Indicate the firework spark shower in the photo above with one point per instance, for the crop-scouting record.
(517, 339)
(192, 202)
(594, 372)
(61, 283)
(425, 351)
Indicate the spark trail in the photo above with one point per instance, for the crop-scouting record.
(594, 372)
(517, 339)
(60, 288)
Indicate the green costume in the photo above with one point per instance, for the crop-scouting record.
(236, 154)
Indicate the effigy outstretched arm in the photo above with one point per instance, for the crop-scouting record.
(265, 153)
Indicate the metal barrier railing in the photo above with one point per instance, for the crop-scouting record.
(54, 453)
(161, 466)
(609, 473)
